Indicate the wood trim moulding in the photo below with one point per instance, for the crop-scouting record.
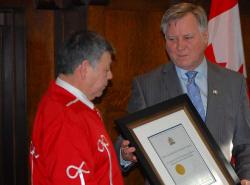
(67, 4)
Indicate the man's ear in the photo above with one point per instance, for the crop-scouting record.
(83, 68)
(205, 36)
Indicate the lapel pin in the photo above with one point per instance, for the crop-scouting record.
(215, 92)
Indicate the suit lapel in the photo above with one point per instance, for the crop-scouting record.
(170, 82)
(214, 100)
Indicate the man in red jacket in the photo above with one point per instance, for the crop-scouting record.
(69, 142)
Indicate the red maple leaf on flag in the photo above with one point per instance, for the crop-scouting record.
(225, 40)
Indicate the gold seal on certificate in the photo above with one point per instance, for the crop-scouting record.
(180, 169)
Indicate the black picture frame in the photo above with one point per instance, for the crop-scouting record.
(178, 117)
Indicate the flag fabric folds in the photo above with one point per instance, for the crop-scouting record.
(225, 45)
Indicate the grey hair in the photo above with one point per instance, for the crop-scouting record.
(82, 45)
(179, 10)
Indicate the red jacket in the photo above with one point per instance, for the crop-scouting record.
(70, 144)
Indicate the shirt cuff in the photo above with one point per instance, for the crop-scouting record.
(123, 162)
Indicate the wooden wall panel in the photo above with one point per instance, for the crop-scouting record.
(96, 18)
(40, 56)
(40, 52)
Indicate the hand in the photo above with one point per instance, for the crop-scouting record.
(128, 152)
(245, 182)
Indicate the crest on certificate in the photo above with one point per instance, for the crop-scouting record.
(171, 141)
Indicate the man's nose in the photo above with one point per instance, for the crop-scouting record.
(110, 75)
(180, 44)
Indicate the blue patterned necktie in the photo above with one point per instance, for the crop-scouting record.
(194, 93)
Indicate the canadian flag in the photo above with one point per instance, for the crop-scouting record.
(225, 40)
(225, 45)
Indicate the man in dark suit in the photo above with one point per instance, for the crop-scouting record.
(222, 92)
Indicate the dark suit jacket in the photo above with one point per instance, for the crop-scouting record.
(228, 113)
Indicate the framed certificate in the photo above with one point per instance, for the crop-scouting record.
(174, 147)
